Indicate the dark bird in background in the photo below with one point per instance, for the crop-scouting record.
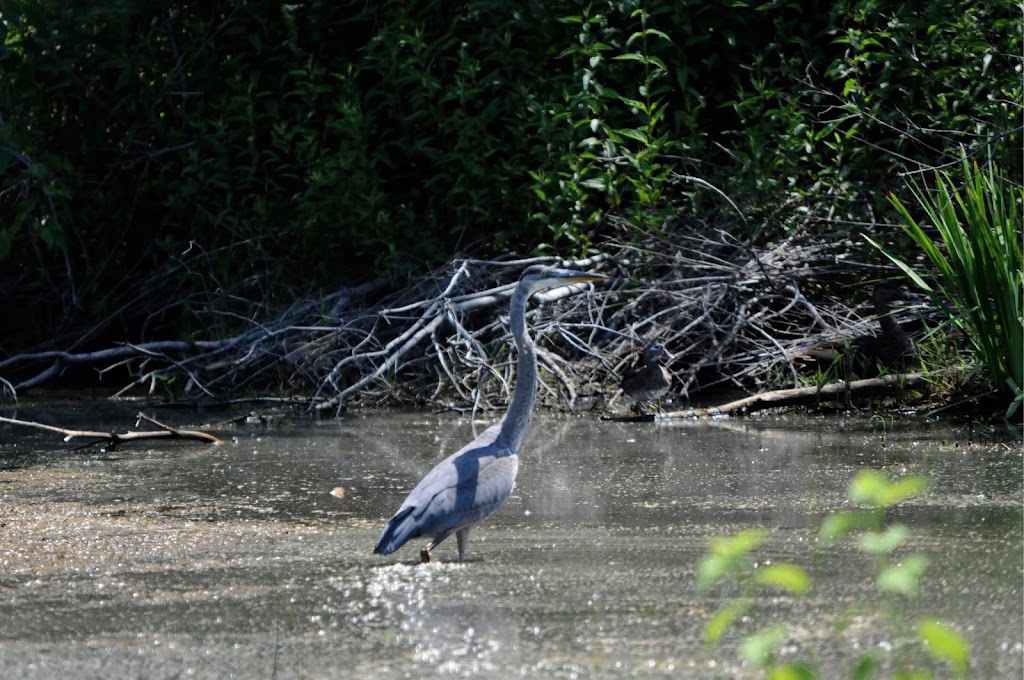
(651, 381)
(473, 482)
(866, 355)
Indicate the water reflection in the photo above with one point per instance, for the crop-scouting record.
(188, 560)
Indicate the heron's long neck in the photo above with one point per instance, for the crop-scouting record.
(524, 394)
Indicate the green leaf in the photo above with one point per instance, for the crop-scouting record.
(903, 489)
(839, 523)
(797, 671)
(758, 648)
(871, 487)
(866, 667)
(945, 643)
(903, 578)
(636, 135)
(722, 621)
(710, 570)
(648, 32)
(738, 545)
(725, 555)
(911, 274)
(867, 487)
(883, 542)
(632, 56)
(784, 575)
(633, 103)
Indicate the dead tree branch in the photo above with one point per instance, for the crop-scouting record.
(732, 312)
(808, 396)
(114, 439)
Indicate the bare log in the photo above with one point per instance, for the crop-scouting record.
(808, 396)
(113, 439)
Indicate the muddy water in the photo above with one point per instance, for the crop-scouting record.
(180, 560)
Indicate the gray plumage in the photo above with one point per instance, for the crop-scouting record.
(473, 482)
(652, 380)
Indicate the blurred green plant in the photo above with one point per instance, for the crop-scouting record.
(979, 279)
(899, 575)
(730, 557)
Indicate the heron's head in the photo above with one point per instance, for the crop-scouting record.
(539, 277)
(655, 352)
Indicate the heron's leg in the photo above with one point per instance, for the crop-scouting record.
(425, 554)
(462, 537)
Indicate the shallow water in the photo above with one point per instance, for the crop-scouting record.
(185, 560)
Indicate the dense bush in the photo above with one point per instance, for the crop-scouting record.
(252, 145)
(887, 88)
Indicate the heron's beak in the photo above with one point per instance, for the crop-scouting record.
(566, 277)
(584, 277)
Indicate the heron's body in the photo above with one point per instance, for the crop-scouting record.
(652, 380)
(461, 490)
(473, 482)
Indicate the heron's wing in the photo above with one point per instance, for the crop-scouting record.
(441, 476)
(461, 490)
(478, 485)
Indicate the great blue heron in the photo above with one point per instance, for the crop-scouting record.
(473, 482)
(652, 380)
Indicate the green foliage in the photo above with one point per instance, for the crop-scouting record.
(795, 671)
(297, 144)
(727, 556)
(956, 52)
(900, 87)
(784, 576)
(904, 577)
(723, 619)
(618, 112)
(758, 648)
(898, 576)
(873, 489)
(945, 643)
(980, 266)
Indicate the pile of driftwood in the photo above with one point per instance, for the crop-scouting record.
(732, 315)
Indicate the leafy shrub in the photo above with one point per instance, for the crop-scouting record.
(301, 144)
(831, 115)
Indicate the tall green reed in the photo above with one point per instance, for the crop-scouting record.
(979, 279)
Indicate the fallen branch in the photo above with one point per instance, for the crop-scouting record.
(805, 396)
(732, 313)
(440, 310)
(113, 439)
